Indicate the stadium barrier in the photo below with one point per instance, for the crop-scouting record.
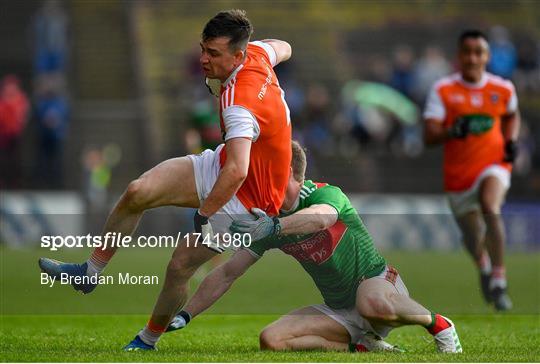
(407, 222)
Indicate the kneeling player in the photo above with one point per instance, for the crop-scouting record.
(364, 297)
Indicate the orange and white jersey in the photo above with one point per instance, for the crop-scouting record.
(252, 105)
(485, 102)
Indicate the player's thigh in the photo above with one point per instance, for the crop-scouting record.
(374, 295)
(306, 321)
(492, 193)
(172, 182)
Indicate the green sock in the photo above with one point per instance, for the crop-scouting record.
(432, 322)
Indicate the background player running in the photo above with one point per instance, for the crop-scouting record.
(475, 115)
(250, 169)
(364, 297)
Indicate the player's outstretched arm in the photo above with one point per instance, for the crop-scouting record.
(309, 220)
(306, 221)
(219, 281)
(231, 176)
(283, 49)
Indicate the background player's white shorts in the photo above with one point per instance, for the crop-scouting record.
(468, 200)
(206, 169)
(355, 324)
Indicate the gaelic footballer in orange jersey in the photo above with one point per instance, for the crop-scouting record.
(475, 115)
(482, 105)
(252, 105)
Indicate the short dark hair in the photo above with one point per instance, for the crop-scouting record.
(471, 33)
(298, 162)
(233, 24)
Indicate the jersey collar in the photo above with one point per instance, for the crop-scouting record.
(232, 75)
(478, 84)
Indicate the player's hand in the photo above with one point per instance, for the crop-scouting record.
(460, 128)
(214, 86)
(179, 321)
(260, 228)
(202, 226)
(510, 151)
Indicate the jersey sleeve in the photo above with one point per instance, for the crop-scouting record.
(270, 52)
(434, 106)
(328, 195)
(240, 123)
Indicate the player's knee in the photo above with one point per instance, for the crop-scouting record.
(136, 194)
(270, 340)
(376, 307)
(489, 208)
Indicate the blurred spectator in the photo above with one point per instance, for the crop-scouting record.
(205, 132)
(428, 69)
(50, 38)
(527, 76)
(318, 119)
(402, 73)
(503, 53)
(14, 107)
(295, 97)
(52, 118)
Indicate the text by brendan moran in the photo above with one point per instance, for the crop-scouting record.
(121, 278)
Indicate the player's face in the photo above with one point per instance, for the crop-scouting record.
(473, 57)
(217, 60)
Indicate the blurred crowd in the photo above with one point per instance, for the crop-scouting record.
(379, 112)
(44, 107)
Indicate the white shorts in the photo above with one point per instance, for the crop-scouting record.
(206, 168)
(468, 200)
(356, 325)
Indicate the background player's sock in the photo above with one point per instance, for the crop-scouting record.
(498, 277)
(151, 333)
(98, 261)
(484, 263)
(438, 324)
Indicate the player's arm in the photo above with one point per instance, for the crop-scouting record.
(231, 176)
(510, 124)
(309, 220)
(283, 49)
(306, 221)
(219, 281)
(435, 132)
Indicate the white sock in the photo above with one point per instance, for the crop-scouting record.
(485, 264)
(93, 268)
(149, 337)
(497, 282)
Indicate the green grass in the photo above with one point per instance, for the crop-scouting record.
(234, 338)
(55, 324)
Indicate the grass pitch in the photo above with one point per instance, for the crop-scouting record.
(39, 323)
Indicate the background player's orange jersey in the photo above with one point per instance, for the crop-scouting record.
(254, 87)
(484, 104)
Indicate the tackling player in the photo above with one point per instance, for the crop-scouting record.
(250, 169)
(364, 297)
(475, 115)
